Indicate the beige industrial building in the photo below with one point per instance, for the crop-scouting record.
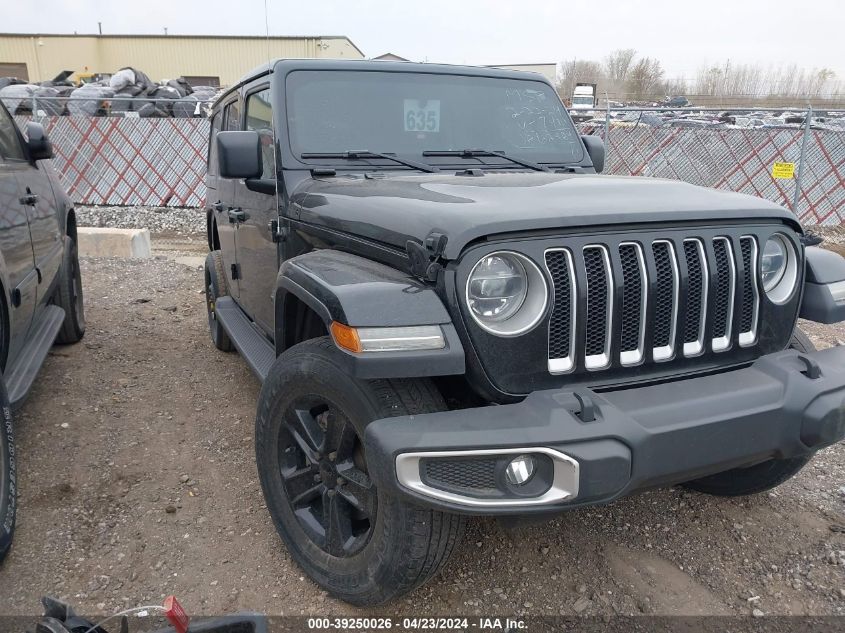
(207, 60)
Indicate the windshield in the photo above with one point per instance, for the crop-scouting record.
(408, 114)
(582, 101)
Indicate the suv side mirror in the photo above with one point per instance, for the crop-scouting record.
(239, 154)
(595, 148)
(37, 143)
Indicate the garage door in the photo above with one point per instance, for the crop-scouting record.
(199, 80)
(11, 69)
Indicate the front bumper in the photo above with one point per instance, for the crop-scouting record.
(606, 445)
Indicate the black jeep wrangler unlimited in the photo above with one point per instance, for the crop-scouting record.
(452, 314)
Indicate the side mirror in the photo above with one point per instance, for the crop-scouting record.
(37, 143)
(595, 148)
(239, 155)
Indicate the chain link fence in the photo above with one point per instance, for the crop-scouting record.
(160, 162)
(734, 158)
(124, 159)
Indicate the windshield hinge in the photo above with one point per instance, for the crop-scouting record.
(425, 259)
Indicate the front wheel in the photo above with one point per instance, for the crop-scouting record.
(760, 477)
(359, 543)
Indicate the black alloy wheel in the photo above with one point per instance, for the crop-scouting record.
(324, 473)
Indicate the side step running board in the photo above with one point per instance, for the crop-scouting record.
(258, 352)
(20, 377)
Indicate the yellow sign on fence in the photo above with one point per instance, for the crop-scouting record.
(783, 170)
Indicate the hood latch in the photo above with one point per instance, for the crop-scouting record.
(425, 260)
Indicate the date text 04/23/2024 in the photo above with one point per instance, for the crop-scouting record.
(418, 624)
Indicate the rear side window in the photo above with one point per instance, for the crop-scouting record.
(259, 117)
(216, 123)
(10, 145)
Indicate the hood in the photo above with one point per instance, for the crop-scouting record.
(393, 209)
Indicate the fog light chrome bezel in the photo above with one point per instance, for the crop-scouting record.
(564, 487)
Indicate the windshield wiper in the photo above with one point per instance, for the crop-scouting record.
(364, 154)
(479, 153)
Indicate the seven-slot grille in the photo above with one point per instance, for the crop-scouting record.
(651, 301)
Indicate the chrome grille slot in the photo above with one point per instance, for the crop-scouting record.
(634, 303)
(750, 293)
(599, 307)
(562, 322)
(665, 300)
(725, 294)
(698, 280)
(630, 294)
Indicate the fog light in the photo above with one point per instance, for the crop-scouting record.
(520, 470)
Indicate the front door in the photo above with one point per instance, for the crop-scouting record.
(258, 254)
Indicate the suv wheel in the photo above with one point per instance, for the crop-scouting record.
(760, 477)
(8, 499)
(215, 287)
(359, 543)
(69, 295)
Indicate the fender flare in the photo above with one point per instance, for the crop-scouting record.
(358, 292)
(824, 286)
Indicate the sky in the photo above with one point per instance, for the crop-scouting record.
(683, 35)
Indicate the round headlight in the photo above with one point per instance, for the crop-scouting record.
(506, 293)
(497, 288)
(773, 266)
(779, 269)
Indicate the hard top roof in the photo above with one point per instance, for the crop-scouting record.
(287, 65)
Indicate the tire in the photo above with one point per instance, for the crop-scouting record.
(216, 287)
(69, 295)
(801, 342)
(387, 546)
(8, 482)
(760, 477)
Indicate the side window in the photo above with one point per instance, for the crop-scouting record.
(259, 117)
(233, 117)
(216, 124)
(10, 144)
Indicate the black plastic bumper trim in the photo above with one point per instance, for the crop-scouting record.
(642, 437)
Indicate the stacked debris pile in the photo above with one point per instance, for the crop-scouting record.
(129, 92)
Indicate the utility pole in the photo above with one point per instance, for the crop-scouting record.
(100, 27)
(796, 198)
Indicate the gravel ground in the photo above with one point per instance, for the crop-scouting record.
(137, 480)
(186, 221)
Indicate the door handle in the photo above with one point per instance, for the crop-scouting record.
(236, 216)
(29, 199)
(218, 206)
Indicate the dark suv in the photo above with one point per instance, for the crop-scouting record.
(41, 294)
(453, 314)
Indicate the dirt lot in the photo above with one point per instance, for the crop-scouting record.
(138, 480)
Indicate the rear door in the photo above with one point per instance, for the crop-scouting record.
(225, 202)
(258, 254)
(17, 262)
(212, 178)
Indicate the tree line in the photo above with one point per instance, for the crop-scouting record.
(625, 76)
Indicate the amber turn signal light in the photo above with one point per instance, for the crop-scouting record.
(346, 337)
